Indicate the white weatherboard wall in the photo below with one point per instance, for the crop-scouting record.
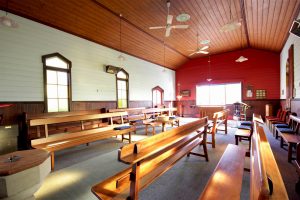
(21, 70)
(283, 59)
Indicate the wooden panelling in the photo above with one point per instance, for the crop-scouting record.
(266, 24)
(11, 114)
(257, 106)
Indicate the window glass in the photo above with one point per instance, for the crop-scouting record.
(221, 94)
(56, 62)
(63, 105)
(121, 74)
(122, 89)
(157, 96)
(51, 77)
(57, 83)
(62, 78)
(52, 91)
(52, 105)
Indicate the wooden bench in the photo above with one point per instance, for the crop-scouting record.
(150, 158)
(219, 119)
(66, 140)
(151, 118)
(226, 180)
(209, 111)
(290, 137)
(27, 133)
(265, 179)
(134, 114)
(297, 166)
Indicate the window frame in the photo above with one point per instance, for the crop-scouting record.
(127, 87)
(228, 83)
(161, 96)
(68, 71)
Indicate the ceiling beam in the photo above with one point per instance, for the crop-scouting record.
(245, 21)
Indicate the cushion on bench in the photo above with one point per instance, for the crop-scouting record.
(286, 130)
(281, 125)
(244, 127)
(246, 123)
(122, 127)
(136, 121)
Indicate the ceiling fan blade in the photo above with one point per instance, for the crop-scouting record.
(205, 47)
(169, 19)
(193, 53)
(204, 52)
(157, 27)
(168, 31)
(180, 26)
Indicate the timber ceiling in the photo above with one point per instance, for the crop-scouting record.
(265, 24)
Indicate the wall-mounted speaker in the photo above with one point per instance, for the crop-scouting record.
(112, 69)
(295, 28)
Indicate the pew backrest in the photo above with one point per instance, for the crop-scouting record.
(265, 179)
(56, 120)
(150, 158)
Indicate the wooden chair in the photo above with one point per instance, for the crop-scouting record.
(283, 125)
(219, 119)
(297, 165)
(290, 137)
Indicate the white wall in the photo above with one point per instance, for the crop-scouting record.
(21, 70)
(283, 58)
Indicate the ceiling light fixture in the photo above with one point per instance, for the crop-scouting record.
(241, 58)
(232, 24)
(209, 79)
(204, 42)
(121, 57)
(183, 17)
(6, 21)
(164, 67)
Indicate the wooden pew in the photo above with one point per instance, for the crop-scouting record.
(290, 137)
(209, 111)
(134, 114)
(150, 158)
(27, 133)
(265, 178)
(77, 118)
(297, 166)
(219, 118)
(226, 180)
(66, 140)
(152, 118)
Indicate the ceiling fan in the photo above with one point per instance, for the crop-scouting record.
(169, 25)
(200, 49)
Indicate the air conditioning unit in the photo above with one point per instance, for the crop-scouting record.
(112, 69)
(295, 28)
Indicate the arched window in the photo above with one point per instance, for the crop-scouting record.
(122, 88)
(157, 96)
(57, 82)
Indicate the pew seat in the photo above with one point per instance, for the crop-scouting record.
(227, 177)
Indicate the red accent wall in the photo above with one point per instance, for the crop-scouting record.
(262, 71)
